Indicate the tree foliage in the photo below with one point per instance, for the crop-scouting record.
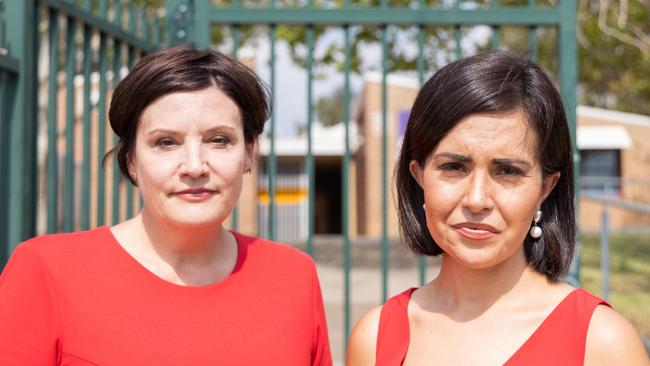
(614, 39)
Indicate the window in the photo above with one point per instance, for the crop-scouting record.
(600, 171)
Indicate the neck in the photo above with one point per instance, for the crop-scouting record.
(176, 243)
(185, 255)
(468, 292)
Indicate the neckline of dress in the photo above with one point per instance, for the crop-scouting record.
(408, 293)
(137, 266)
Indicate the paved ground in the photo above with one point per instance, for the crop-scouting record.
(365, 281)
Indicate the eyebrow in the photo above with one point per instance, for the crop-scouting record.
(171, 132)
(511, 161)
(456, 157)
(466, 159)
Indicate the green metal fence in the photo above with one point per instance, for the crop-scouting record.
(9, 68)
(60, 60)
(529, 16)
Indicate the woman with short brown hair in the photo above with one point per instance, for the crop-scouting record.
(171, 286)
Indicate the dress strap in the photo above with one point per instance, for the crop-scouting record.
(561, 338)
(393, 334)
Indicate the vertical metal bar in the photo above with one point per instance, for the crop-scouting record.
(604, 251)
(22, 21)
(132, 21)
(458, 37)
(236, 40)
(117, 174)
(422, 262)
(52, 124)
(3, 32)
(496, 30)
(129, 186)
(201, 28)
(234, 217)
(103, 8)
(156, 29)
(495, 37)
(5, 96)
(568, 75)
(85, 180)
(309, 162)
(384, 163)
(346, 189)
(271, 161)
(144, 23)
(117, 17)
(101, 137)
(532, 42)
(88, 5)
(68, 196)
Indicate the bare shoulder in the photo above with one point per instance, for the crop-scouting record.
(612, 340)
(363, 340)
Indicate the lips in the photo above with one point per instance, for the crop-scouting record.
(195, 194)
(476, 231)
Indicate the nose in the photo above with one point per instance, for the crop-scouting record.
(477, 196)
(193, 163)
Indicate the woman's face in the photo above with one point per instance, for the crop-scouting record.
(482, 186)
(189, 157)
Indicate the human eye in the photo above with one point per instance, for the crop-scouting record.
(164, 143)
(452, 167)
(220, 141)
(509, 170)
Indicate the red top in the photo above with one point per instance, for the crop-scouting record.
(81, 299)
(559, 340)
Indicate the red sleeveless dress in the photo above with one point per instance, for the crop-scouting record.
(559, 340)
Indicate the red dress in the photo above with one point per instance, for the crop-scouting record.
(81, 299)
(559, 340)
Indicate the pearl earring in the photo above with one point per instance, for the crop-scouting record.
(424, 206)
(536, 231)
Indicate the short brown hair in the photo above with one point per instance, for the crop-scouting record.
(176, 69)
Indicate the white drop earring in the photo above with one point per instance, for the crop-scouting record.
(536, 231)
(424, 206)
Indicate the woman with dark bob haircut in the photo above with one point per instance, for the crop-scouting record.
(485, 179)
(171, 286)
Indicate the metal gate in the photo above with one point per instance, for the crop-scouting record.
(529, 17)
(60, 60)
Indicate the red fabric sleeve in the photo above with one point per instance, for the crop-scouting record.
(321, 354)
(30, 323)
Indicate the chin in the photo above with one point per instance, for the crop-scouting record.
(474, 258)
(192, 220)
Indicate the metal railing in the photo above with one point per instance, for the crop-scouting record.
(419, 15)
(71, 55)
(9, 69)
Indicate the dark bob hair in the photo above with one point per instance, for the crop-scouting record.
(494, 81)
(177, 69)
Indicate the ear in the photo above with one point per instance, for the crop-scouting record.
(130, 164)
(416, 171)
(251, 148)
(548, 184)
